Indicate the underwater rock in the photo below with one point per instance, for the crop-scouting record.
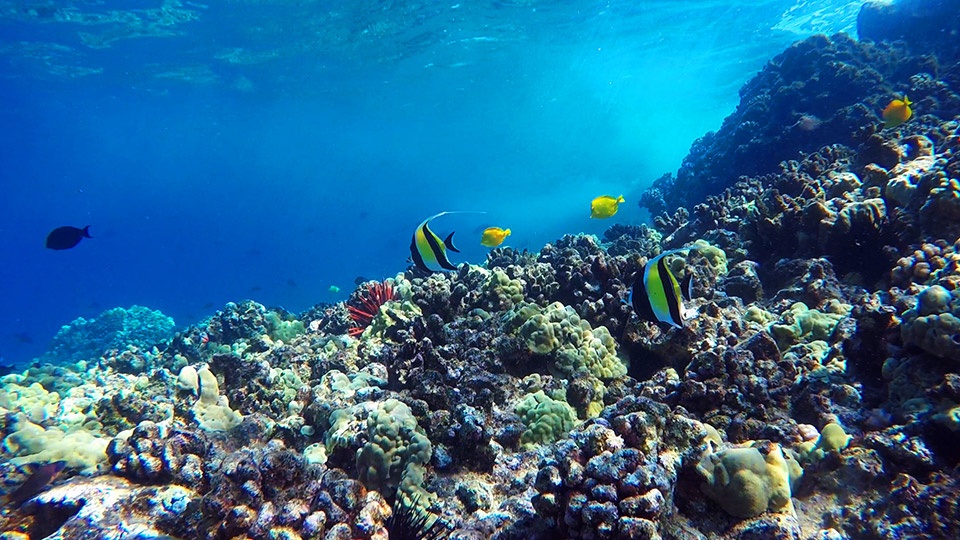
(925, 25)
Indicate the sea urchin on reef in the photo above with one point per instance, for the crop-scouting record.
(410, 522)
(370, 299)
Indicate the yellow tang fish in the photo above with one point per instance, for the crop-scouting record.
(494, 236)
(604, 206)
(897, 112)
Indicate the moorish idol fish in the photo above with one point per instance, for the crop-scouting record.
(656, 294)
(427, 251)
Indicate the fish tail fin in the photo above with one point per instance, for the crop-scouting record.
(448, 241)
(86, 231)
(506, 233)
(620, 199)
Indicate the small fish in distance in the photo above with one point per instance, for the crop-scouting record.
(66, 237)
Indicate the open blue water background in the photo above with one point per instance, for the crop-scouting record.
(268, 150)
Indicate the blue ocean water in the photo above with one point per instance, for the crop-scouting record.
(268, 150)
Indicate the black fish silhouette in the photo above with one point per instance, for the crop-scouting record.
(66, 237)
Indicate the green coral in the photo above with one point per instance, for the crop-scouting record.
(833, 439)
(934, 324)
(747, 481)
(578, 351)
(759, 315)
(500, 291)
(283, 329)
(547, 419)
(391, 314)
(716, 257)
(396, 452)
(800, 324)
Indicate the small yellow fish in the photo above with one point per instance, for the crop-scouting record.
(494, 236)
(604, 206)
(897, 112)
(334, 289)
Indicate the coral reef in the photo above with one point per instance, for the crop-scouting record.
(813, 393)
(135, 327)
(836, 80)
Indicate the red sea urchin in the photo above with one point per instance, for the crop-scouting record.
(366, 304)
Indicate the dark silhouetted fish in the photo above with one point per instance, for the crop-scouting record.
(208, 305)
(37, 482)
(291, 283)
(23, 337)
(360, 280)
(66, 237)
(6, 369)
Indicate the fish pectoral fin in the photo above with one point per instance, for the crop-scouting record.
(448, 241)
